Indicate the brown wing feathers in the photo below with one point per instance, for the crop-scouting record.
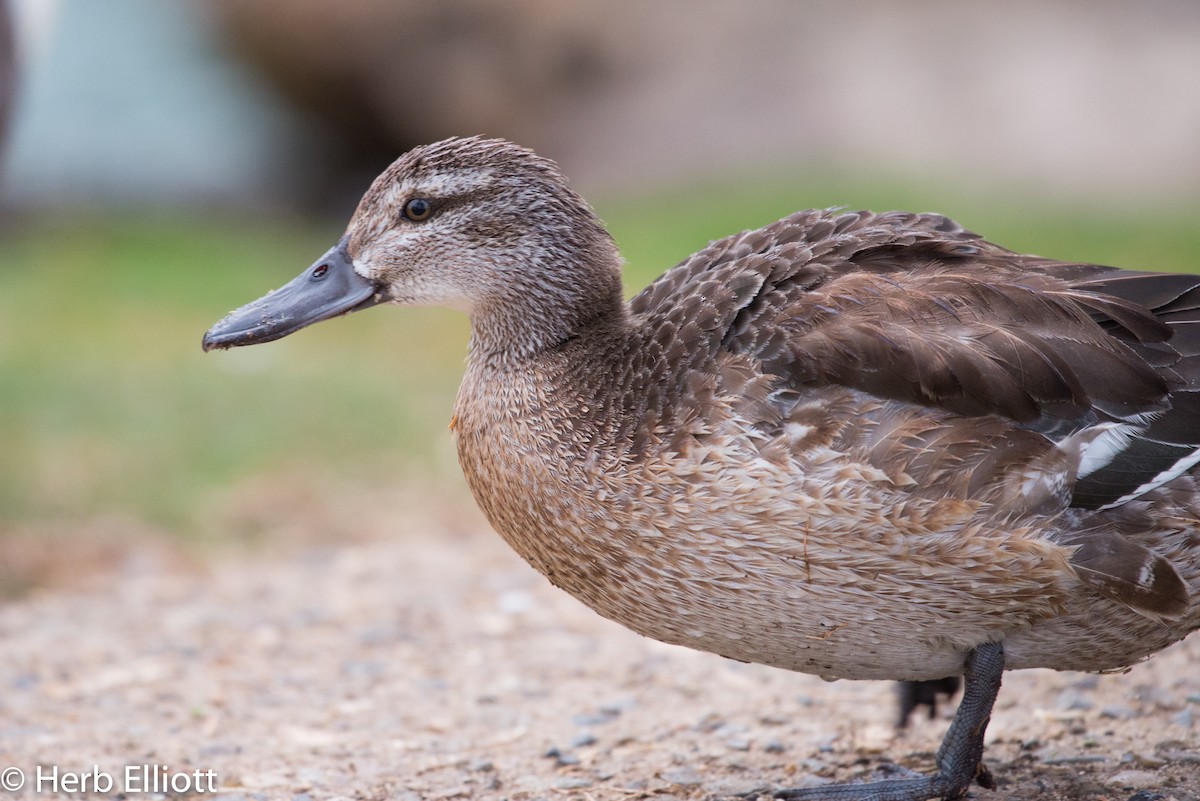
(950, 340)
(913, 308)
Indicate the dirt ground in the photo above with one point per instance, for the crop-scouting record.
(410, 655)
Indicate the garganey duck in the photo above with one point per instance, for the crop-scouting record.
(865, 446)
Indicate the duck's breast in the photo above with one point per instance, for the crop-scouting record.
(811, 560)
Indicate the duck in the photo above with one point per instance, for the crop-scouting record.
(853, 444)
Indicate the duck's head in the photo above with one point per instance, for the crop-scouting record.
(475, 224)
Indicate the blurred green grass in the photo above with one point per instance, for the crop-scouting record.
(107, 404)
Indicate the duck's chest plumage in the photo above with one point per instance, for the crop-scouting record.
(713, 534)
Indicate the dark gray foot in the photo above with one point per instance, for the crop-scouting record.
(960, 758)
(914, 694)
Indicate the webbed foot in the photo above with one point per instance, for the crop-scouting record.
(959, 759)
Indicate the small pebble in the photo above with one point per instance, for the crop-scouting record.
(619, 705)
(1117, 712)
(27, 681)
(1074, 759)
(1147, 760)
(687, 777)
(774, 747)
(1136, 778)
(561, 758)
(310, 776)
(737, 744)
(1185, 718)
(1185, 757)
(1161, 698)
(1073, 701)
(480, 765)
(735, 788)
(571, 782)
(583, 739)
(1171, 745)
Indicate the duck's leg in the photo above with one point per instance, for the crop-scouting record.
(913, 694)
(960, 758)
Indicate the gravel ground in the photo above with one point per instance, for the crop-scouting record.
(412, 656)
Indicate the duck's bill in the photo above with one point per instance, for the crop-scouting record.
(329, 288)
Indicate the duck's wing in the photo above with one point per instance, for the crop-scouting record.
(1164, 445)
(911, 307)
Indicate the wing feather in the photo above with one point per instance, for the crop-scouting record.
(913, 308)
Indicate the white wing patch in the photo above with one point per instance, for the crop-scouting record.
(1174, 471)
(1096, 446)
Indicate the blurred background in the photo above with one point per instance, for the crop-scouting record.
(166, 161)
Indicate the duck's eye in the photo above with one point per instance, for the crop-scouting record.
(418, 209)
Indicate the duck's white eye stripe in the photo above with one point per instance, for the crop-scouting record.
(443, 184)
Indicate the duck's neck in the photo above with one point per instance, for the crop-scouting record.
(545, 305)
